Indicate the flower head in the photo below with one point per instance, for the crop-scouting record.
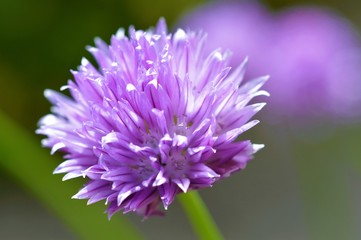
(158, 117)
(312, 54)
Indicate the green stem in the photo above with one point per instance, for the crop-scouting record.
(199, 216)
(22, 157)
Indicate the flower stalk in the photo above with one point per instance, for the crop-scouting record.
(199, 216)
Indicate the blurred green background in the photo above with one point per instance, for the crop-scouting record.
(296, 188)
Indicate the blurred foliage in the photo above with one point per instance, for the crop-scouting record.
(322, 167)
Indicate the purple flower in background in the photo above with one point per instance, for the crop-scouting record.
(312, 55)
(243, 28)
(320, 74)
(159, 117)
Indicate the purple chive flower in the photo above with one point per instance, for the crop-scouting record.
(312, 54)
(158, 117)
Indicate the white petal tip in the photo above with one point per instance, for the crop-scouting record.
(56, 147)
(257, 147)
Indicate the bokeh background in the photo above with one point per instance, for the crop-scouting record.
(304, 185)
